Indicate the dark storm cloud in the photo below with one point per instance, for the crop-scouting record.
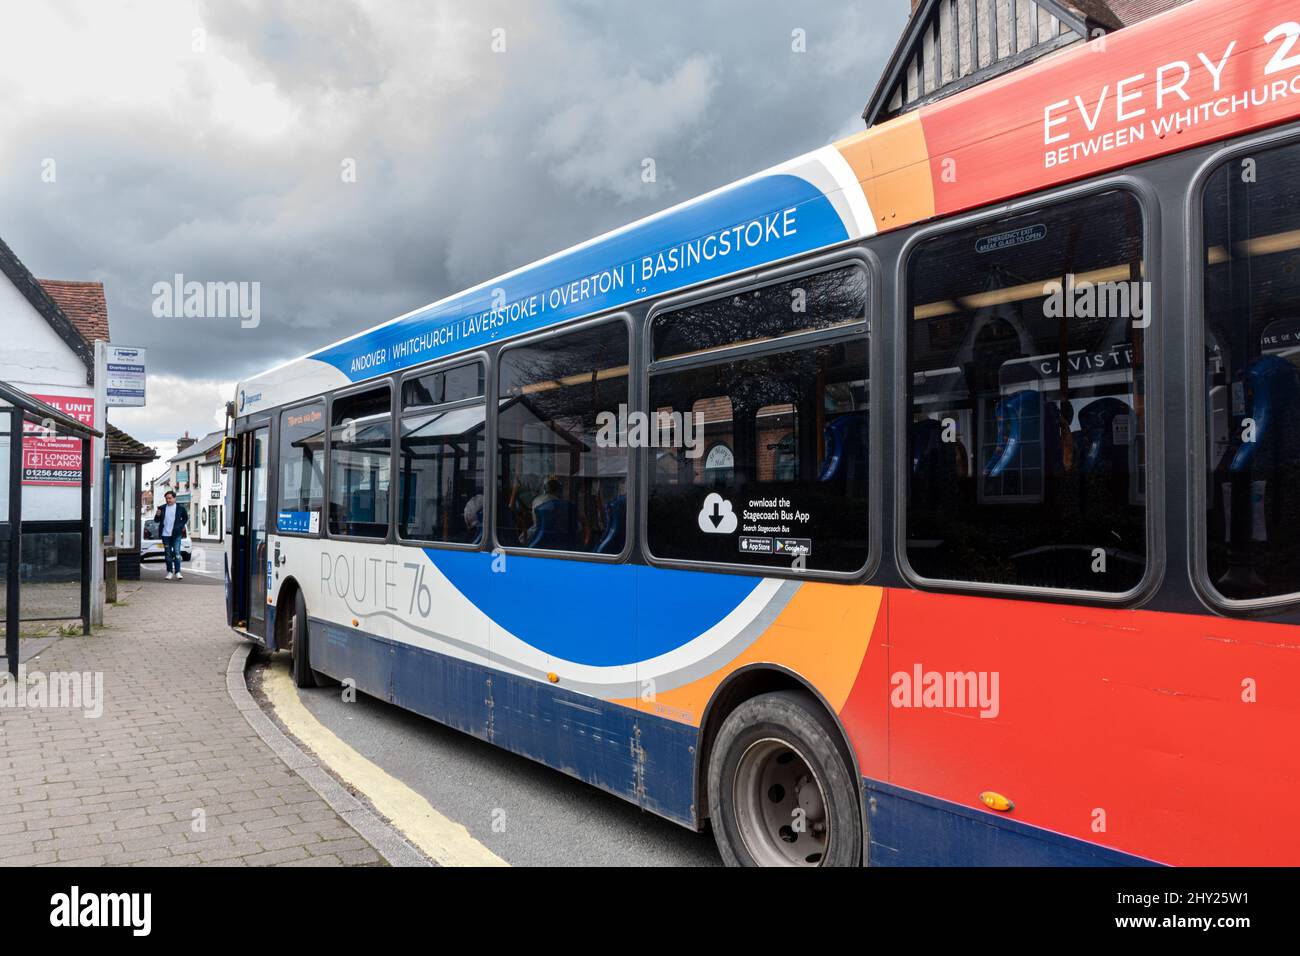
(469, 162)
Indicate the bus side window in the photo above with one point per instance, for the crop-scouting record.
(1252, 375)
(562, 469)
(361, 438)
(441, 456)
(761, 454)
(1026, 449)
(302, 462)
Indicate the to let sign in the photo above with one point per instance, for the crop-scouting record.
(56, 461)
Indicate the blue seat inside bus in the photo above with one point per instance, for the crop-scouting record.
(846, 448)
(1273, 400)
(1095, 447)
(616, 527)
(1028, 435)
(933, 458)
(555, 526)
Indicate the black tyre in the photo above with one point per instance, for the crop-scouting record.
(780, 791)
(300, 645)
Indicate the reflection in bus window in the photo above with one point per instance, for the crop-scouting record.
(302, 464)
(441, 456)
(1026, 449)
(1252, 369)
(457, 384)
(563, 487)
(361, 439)
(825, 300)
(777, 465)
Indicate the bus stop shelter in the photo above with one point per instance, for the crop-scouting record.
(72, 537)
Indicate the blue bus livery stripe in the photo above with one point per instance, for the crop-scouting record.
(650, 761)
(907, 828)
(551, 605)
(760, 221)
(637, 756)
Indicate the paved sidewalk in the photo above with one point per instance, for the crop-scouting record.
(169, 752)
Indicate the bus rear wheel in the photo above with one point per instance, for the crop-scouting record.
(780, 792)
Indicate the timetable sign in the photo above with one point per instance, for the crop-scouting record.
(124, 379)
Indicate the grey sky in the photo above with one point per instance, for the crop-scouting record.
(224, 163)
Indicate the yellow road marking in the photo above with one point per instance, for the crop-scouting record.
(444, 840)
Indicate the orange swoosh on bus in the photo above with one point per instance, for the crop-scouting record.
(797, 641)
(892, 163)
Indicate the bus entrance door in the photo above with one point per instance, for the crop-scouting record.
(251, 567)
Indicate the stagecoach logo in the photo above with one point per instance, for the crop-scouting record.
(248, 399)
(1016, 237)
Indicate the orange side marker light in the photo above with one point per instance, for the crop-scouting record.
(995, 801)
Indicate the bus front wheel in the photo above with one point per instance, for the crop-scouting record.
(300, 647)
(780, 792)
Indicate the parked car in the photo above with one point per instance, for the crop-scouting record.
(152, 547)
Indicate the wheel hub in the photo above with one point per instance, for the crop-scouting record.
(780, 806)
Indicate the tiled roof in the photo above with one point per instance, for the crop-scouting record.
(1133, 11)
(83, 303)
(1100, 12)
(201, 447)
(123, 446)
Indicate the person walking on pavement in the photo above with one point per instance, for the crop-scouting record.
(172, 519)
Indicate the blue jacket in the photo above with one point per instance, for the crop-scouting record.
(181, 523)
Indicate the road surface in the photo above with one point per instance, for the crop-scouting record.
(520, 811)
